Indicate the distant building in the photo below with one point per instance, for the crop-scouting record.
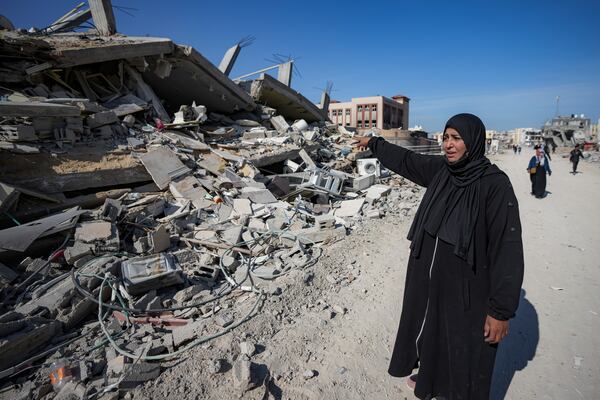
(371, 112)
(566, 130)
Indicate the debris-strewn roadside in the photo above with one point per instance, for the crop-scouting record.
(149, 204)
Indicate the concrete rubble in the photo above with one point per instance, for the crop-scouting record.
(142, 191)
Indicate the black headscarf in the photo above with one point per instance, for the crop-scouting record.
(452, 198)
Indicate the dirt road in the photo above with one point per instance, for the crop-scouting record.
(329, 334)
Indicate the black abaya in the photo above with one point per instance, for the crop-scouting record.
(538, 182)
(446, 299)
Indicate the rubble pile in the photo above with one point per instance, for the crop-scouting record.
(147, 202)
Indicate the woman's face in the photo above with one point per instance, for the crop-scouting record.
(454, 146)
(538, 152)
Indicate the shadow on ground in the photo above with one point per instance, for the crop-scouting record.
(517, 349)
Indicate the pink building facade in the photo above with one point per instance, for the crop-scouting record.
(371, 112)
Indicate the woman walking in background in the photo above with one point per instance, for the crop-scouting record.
(538, 166)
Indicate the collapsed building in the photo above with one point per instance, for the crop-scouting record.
(145, 196)
(566, 130)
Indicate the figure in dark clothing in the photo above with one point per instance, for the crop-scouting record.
(538, 167)
(519, 149)
(576, 154)
(466, 265)
(547, 152)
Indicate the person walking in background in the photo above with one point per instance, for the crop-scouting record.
(465, 267)
(574, 158)
(547, 151)
(519, 149)
(538, 167)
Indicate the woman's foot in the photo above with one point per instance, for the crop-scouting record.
(411, 381)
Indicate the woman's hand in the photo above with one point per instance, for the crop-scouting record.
(361, 141)
(494, 330)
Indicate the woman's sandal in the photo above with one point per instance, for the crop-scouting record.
(411, 381)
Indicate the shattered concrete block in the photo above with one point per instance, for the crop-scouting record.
(247, 348)
(257, 224)
(230, 263)
(18, 346)
(142, 302)
(18, 133)
(111, 209)
(325, 221)
(138, 373)
(141, 246)
(374, 213)
(186, 333)
(251, 135)
(375, 192)
(243, 377)
(242, 206)
(77, 252)
(7, 275)
(260, 196)
(101, 118)
(159, 240)
(89, 232)
(224, 319)
(71, 390)
(232, 235)
(280, 124)
(362, 182)
(115, 365)
(184, 295)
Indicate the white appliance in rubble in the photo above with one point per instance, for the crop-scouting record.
(368, 166)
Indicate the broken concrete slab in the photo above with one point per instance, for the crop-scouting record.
(89, 232)
(101, 119)
(37, 109)
(138, 373)
(194, 78)
(164, 166)
(375, 192)
(187, 333)
(256, 195)
(289, 103)
(242, 207)
(349, 208)
(18, 346)
(190, 188)
(104, 49)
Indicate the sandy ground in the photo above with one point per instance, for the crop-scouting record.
(552, 351)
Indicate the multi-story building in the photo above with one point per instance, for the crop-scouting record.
(371, 112)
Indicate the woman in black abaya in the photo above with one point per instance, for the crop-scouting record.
(466, 266)
(538, 167)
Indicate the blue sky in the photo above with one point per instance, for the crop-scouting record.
(505, 61)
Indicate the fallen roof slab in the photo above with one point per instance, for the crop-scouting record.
(72, 50)
(37, 109)
(289, 103)
(194, 78)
